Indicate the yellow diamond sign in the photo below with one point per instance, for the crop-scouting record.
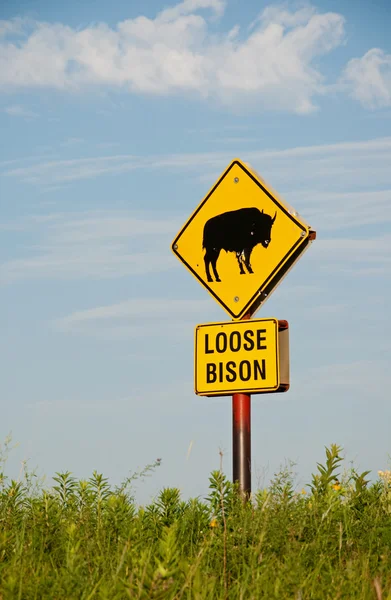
(241, 240)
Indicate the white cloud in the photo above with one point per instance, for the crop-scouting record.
(283, 76)
(20, 111)
(190, 6)
(270, 67)
(280, 15)
(369, 78)
(14, 26)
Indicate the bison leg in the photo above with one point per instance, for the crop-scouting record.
(214, 264)
(247, 255)
(207, 263)
(210, 258)
(239, 256)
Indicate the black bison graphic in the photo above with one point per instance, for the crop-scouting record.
(236, 231)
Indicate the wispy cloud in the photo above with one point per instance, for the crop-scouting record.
(75, 228)
(107, 145)
(359, 256)
(136, 317)
(320, 182)
(71, 406)
(272, 65)
(91, 245)
(99, 262)
(154, 308)
(337, 185)
(72, 141)
(38, 158)
(16, 110)
(334, 211)
(349, 376)
(66, 171)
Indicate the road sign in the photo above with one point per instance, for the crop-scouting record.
(241, 240)
(241, 357)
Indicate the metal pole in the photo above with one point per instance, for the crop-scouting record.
(241, 440)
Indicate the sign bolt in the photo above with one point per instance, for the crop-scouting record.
(302, 234)
(175, 246)
(236, 299)
(236, 180)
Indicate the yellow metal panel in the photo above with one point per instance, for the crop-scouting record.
(241, 188)
(235, 357)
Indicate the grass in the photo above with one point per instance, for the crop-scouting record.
(86, 540)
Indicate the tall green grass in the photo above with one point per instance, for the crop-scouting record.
(87, 540)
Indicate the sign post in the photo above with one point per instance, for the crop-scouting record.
(239, 243)
(241, 442)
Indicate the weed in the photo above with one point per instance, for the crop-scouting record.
(85, 539)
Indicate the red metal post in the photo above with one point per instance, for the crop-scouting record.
(241, 440)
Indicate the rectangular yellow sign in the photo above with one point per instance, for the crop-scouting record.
(241, 356)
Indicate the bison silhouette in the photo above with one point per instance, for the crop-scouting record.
(236, 231)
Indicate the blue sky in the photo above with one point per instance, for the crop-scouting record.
(116, 119)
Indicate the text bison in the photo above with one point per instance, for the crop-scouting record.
(236, 231)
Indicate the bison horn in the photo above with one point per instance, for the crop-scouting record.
(274, 218)
(262, 211)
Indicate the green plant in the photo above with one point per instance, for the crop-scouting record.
(85, 539)
(327, 473)
(65, 488)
